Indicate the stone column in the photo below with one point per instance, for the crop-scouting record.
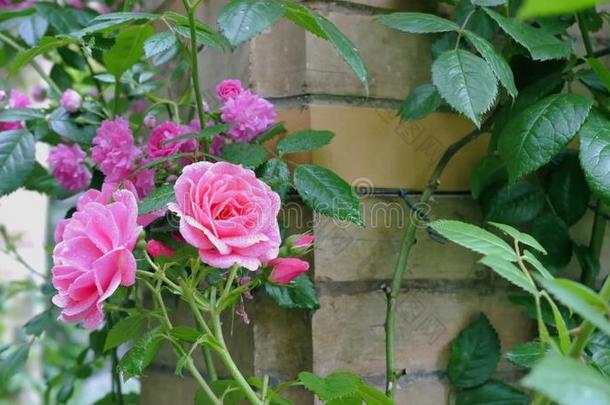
(445, 288)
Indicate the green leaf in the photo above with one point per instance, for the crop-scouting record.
(204, 35)
(417, 23)
(271, 133)
(595, 153)
(304, 141)
(510, 272)
(14, 362)
(31, 28)
(554, 235)
(537, 134)
(320, 26)
(489, 171)
(492, 393)
(110, 21)
(540, 44)
(519, 236)
(568, 191)
(580, 300)
(16, 159)
(545, 8)
(65, 19)
(496, 61)
(589, 263)
(513, 203)
(205, 133)
(158, 199)
(300, 294)
(601, 71)
(530, 258)
(159, 43)
(527, 354)
(144, 350)
(228, 390)
(488, 3)
(124, 330)
(568, 381)
(276, 174)
(185, 333)
(20, 114)
(241, 20)
(372, 396)
(599, 350)
(475, 353)
(42, 181)
(127, 50)
(327, 193)
(40, 323)
(45, 45)
(249, 155)
(336, 385)
(466, 82)
(474, 238)
(62, 123)
(422, 101)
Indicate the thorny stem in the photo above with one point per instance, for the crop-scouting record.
(393, 291)
(9, 41)
(191, 8)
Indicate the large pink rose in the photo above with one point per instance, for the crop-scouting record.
(94, 256)
(228, 214)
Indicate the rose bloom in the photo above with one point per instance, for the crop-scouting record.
(67, 164)
(70, 100)
(286, 269)
(228, 214)
(164, 132)
(114, 150)
(228, 89)
(15, 5)
(94, 256)
(249, 116)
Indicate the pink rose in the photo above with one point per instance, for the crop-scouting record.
(17, 100)
(156, 249)
(286, 269)
(94, 257)
(228, 214)
(157, 148)
(228, 89)
(68, 167)
(249, 116)
(15, 5)
(70, 100)
(114, 150)
(216, 145)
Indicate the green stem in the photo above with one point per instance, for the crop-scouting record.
(190, 365)
(115, 105)
(599, 230)
(204, 328)
(586, 39)
(229, 282)
(9, 41)
(195, 66)
(393, 291)
(230, 364)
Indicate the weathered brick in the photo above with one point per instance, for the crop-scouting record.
(348, 330)
(347, 252)
(161, 388)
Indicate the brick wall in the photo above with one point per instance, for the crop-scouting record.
(444, 289)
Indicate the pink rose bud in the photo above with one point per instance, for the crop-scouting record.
(39, 93)
(139, 106)
(19, 100)
(70, 100)
(150, 121)
(228, 89)
(2, 95)
(304, 241)
(156, 249)
(287, 269)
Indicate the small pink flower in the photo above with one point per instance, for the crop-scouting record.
(15, 5)
(150, 121)
(157, 148)
(249, 116)
(304, 241)
(144, 182)
(75, 3)
(68, 168)
(19, 100)
(216, 145)
(139, 106)
(195, 125)
(94, 256)
(70, 100)
(228, 89)
(156, 249)
(39, 93)
(228, 214)
(286, 269)
(114, 150)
